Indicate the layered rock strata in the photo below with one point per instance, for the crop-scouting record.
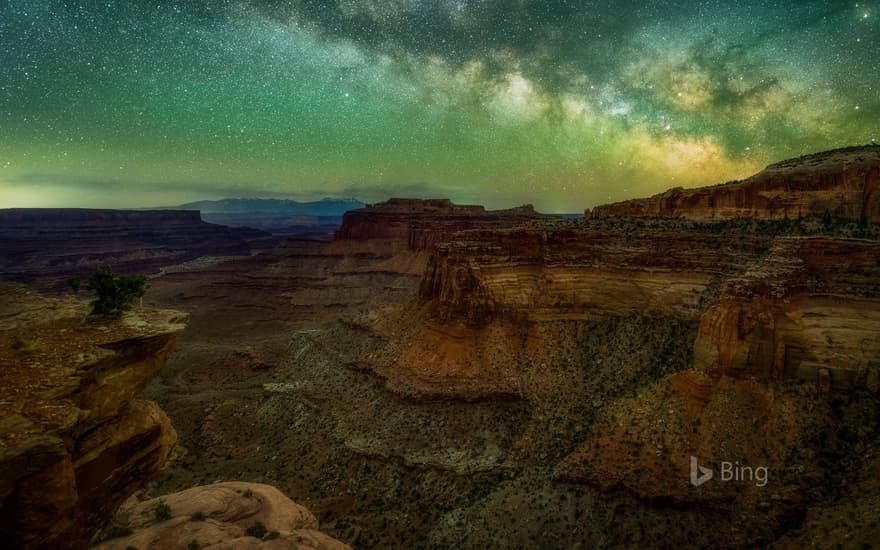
(75, 441)
(844, 183)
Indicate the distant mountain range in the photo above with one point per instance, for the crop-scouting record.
(280, 216)
(323, 207)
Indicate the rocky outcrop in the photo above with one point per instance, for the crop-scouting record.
(415, 226)
(844, 183)
(47, 245)
(809, 310)
(582, 272)
(74, 439)
(230, 515)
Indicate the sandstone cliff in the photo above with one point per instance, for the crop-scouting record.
(586, 271)
(404, 231)
(844, 183)
(809, 310)
(74, 439)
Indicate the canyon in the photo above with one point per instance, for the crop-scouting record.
(440, 375)
(45, 246)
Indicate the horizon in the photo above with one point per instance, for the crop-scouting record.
(319, 199)
(553, 104)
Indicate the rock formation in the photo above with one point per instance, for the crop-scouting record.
(844, 183)
(409, 228)
(230, 515)
(809, 310)
(582, 272)
(75, 441)
(47, 245)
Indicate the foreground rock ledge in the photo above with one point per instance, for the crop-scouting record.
(74, 440)
(222, 515)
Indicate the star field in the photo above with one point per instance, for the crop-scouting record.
(559, 103)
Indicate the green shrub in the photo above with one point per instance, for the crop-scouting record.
(114, 294)
(198, 516)
(257, 530)
(162, 511)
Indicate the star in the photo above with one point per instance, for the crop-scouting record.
(308, 97)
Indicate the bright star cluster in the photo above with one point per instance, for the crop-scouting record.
(564, 104)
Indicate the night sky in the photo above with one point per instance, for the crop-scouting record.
(561, 104)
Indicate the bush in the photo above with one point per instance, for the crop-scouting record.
(198, 516)
(114, 293)
(163, 511)
(257, 530)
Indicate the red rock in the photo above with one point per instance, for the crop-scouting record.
(844, 183)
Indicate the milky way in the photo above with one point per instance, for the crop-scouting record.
(561, 104)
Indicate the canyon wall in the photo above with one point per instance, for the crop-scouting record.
(418, 225)
(808, 310)
(844, 183)
(581, 272)
(75, 441)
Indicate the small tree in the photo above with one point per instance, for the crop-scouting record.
(114, 293)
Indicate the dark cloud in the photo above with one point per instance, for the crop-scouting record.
(363, 191)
